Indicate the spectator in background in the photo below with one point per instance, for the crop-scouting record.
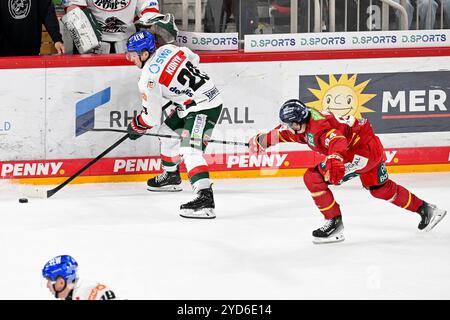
(246, 16)
(281, 13)
(427, 21)
(115, 19)
(21, 27)
(446, 5)
(219, 12)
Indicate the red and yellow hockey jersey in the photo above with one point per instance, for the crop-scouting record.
(326, 134)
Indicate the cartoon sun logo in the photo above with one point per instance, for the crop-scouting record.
(342, 97)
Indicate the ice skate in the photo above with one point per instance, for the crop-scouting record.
(331, 231)
(201, 207)
(165, 182)
(431, 216)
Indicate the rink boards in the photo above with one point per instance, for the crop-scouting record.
(49, 104)
(283, 164)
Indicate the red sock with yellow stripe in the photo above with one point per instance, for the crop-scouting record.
(321, 194)
(326, 203)
(398, 195)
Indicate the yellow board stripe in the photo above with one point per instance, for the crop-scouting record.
(232, 174)
(329, 207)
(409, 200)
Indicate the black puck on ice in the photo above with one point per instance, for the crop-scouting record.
(23, 200)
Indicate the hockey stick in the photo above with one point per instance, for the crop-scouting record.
(173, 137)
(39, 193)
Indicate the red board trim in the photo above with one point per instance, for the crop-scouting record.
(73, 61)
(216, 163)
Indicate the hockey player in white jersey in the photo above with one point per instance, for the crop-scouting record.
(61, 274)
(171, 73)
(116, 19)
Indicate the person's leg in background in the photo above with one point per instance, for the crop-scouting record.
(246, 16)
(446, 8)
(213, 15)
(426, 19)
(409, 10)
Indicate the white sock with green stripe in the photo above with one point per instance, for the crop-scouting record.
(170, 150)
(197, 168)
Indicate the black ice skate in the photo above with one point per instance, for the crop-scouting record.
(332, 231)
(201, 207)
(431, 216)
(165, 182)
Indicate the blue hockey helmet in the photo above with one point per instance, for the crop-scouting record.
(61, 266)
(294, 110)
(140, 41)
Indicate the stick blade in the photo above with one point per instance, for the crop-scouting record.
(35, 192)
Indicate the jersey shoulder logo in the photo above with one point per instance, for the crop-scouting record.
(310, 139)
(19, 9)
(159, 60)
(316, 115)
(111, 5)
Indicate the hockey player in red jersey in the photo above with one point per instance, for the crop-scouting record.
(351, 149)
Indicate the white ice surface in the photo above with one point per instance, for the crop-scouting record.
(258, 247)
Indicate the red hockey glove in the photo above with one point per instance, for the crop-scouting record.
(332, 168)
(136, 128)
(255, 145)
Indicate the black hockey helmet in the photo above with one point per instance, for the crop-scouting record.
(294, 110)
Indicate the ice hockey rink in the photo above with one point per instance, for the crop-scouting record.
(258, 247)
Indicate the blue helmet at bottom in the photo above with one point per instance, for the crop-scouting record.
(294, 110)
(61, 266)
(140, 41)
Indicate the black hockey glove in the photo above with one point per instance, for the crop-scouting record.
(136, 128)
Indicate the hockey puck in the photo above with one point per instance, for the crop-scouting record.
(23, 200)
